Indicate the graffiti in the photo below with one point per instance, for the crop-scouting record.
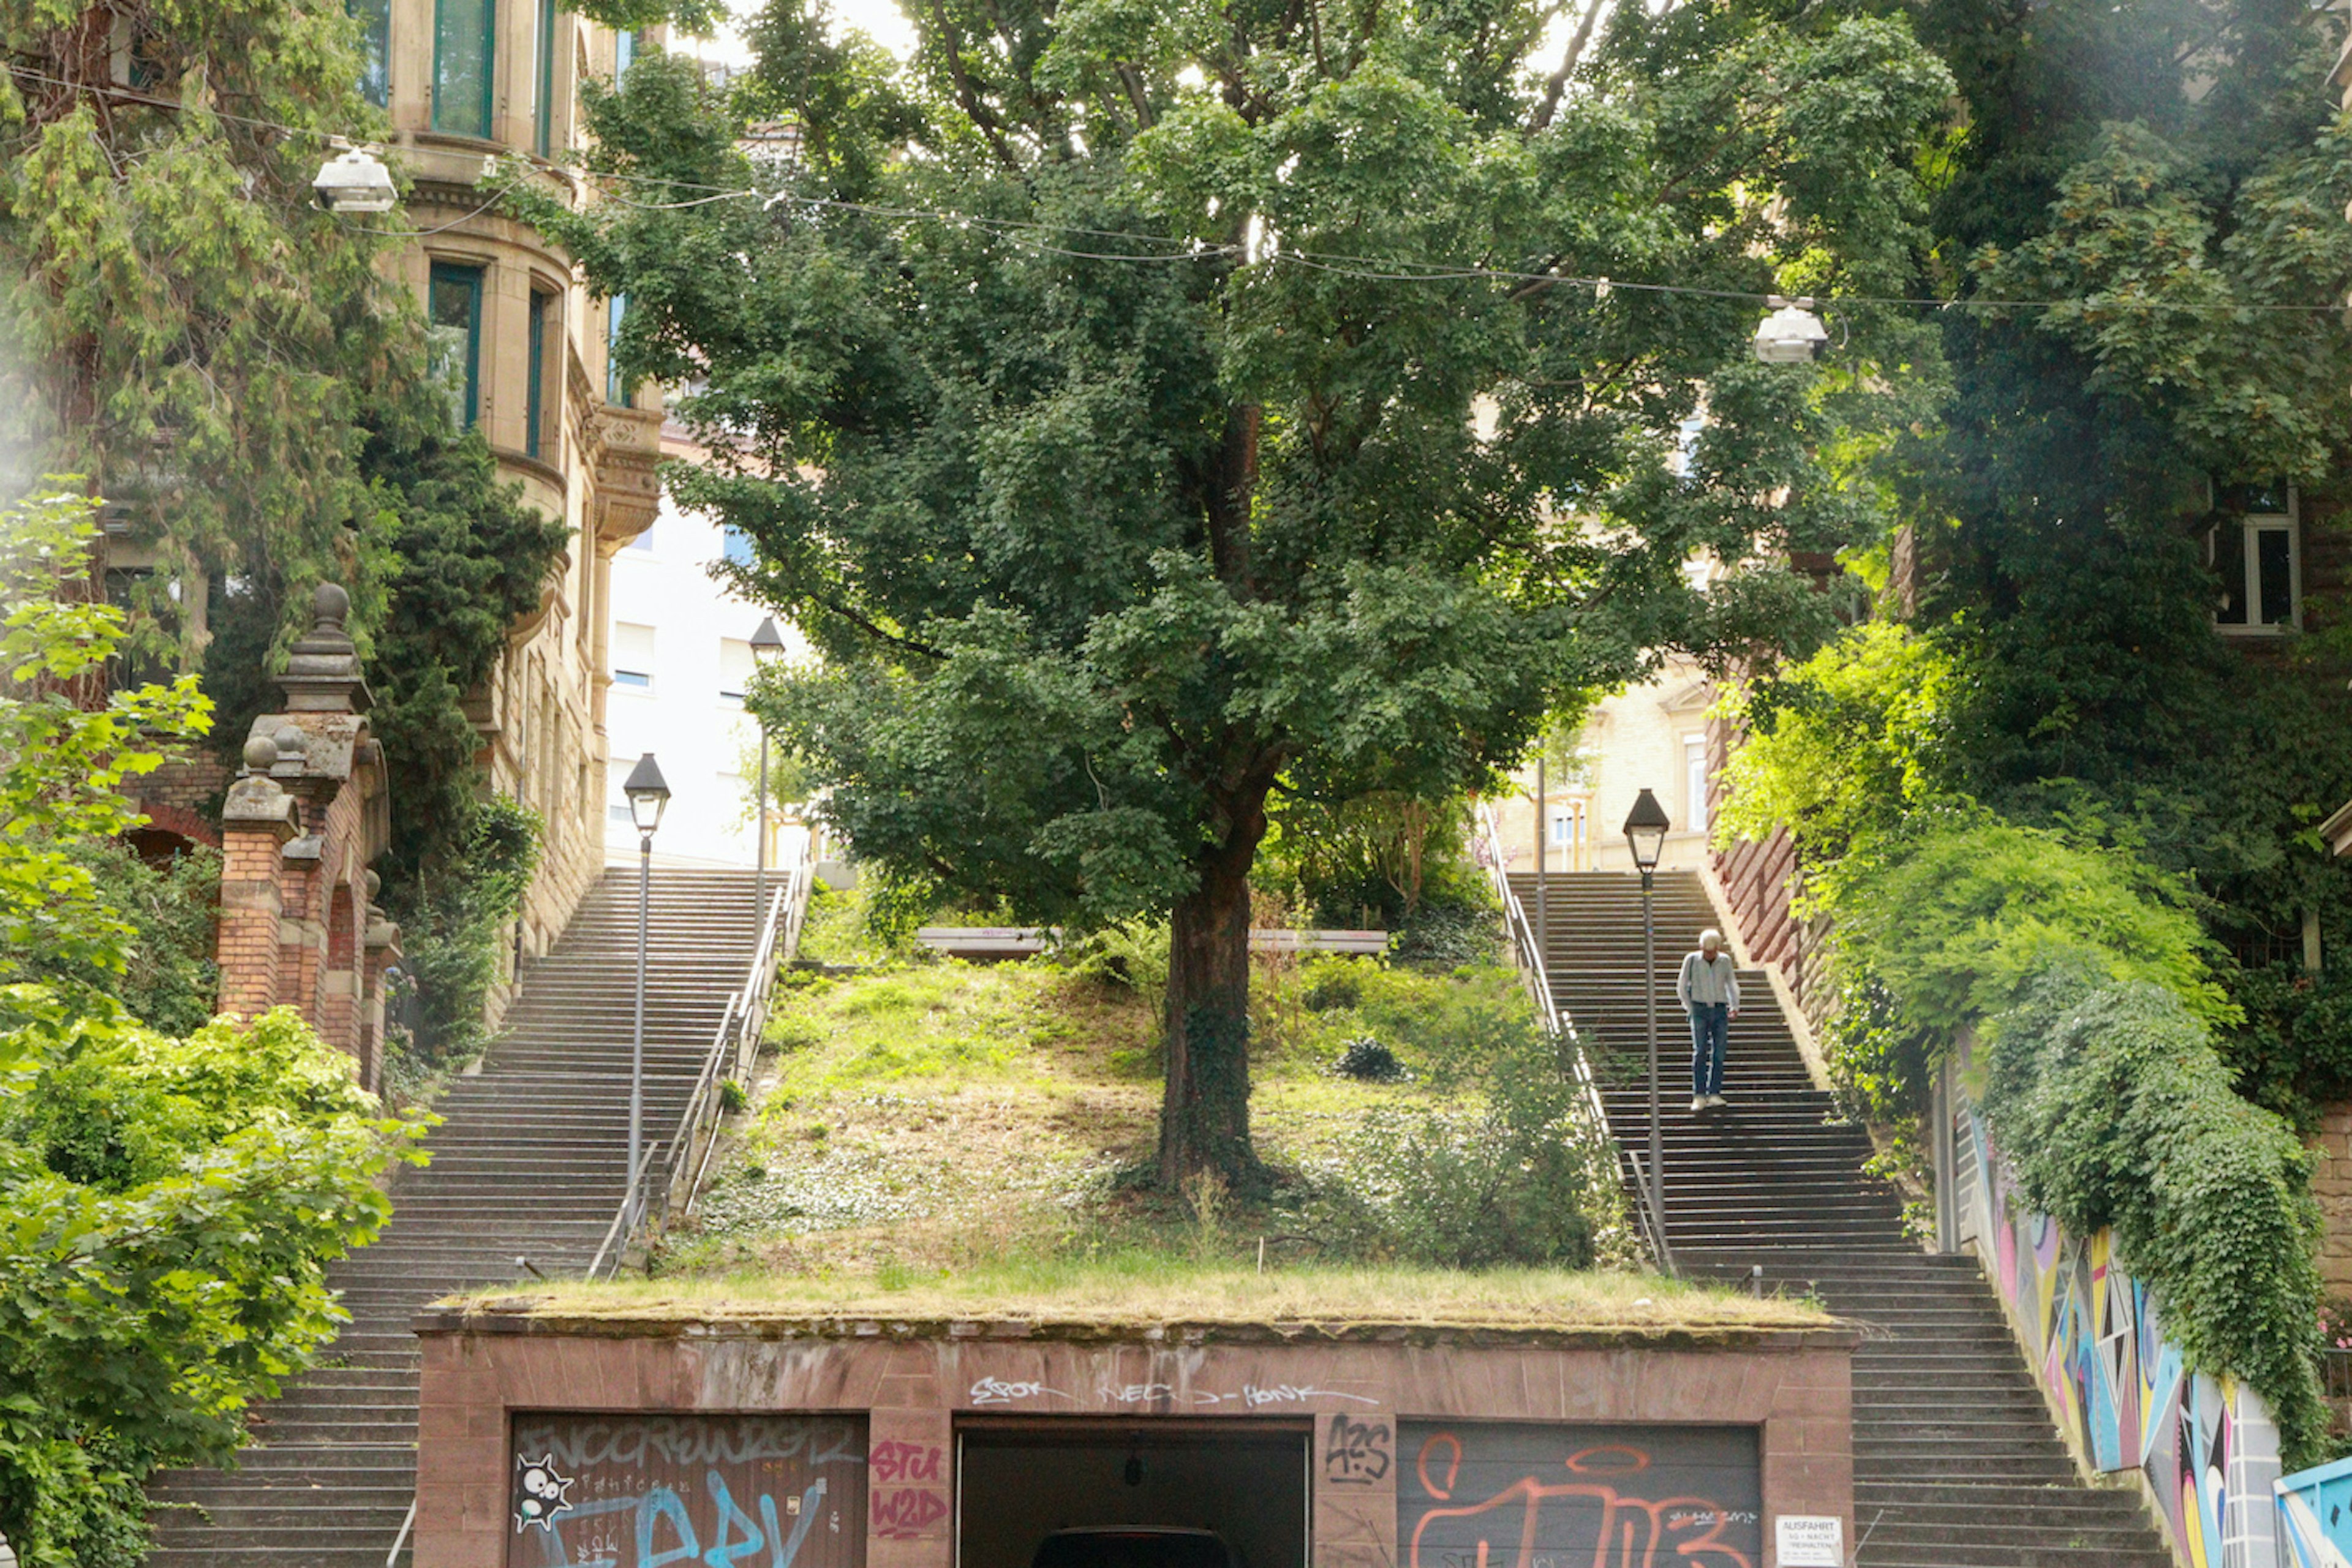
(708, 1491)
(2205, 1447)
(996, 1391)
(1357, 1454)
(908, 1512)
(893, 1461)
(1287, 1393)
(1498, 1496)
(542, 1493)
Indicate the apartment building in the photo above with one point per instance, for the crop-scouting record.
(524, 349)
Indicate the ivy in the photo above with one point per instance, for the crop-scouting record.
(2114, 1110)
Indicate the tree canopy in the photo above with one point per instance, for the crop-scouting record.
(1151, 410)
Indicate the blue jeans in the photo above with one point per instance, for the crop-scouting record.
(1710, 1031)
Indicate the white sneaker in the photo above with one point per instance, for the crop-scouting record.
(1716, 1100)
(1698, 1102)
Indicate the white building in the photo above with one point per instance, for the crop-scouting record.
(681, 658)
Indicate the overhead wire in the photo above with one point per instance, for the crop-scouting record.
(1379, 270)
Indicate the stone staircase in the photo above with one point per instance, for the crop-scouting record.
(529, 1162)
(1957, 1461)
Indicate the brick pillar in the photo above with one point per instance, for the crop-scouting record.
(380, 949)
(257, 821)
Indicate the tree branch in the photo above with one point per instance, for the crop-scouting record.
(1558, 83)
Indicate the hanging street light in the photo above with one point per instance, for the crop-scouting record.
(767, 646)
(1792, 334)
(1645, 835)
(356, 180)
(649, 794)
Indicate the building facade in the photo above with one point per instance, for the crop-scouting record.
(523, 346)
(680, 663)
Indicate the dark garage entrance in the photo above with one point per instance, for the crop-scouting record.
(1019, 1481)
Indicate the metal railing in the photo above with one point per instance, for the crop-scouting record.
(1487, 844)
(670, 1172)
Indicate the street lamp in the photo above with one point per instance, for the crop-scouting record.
(767, 646)
(648, 794)
(355, 181)
(1792, 334)
(1646, 835)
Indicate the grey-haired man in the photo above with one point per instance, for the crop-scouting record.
(1708, 989)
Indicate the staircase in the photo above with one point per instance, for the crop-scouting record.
(529, 1161)
(1957, 1462)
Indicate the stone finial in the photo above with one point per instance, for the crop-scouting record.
(288, 741)
(374, 884)
(261, 753)
(323, 674)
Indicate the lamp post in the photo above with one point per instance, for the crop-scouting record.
(648, 794)
(1646, 835)
(767, 643)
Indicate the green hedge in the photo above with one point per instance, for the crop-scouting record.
(2114, 1109)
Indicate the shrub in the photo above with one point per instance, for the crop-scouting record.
(1505, 1174)
(2114, 1110)
(453, 926)
(1367, 1060)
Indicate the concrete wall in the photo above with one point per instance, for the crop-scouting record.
(915, 1386)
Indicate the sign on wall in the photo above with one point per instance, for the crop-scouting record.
(631, 1491)
(1496, 1495)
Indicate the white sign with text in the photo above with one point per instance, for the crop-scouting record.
(1807, 1541)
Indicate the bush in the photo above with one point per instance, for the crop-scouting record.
(171, 1204)
(168, 980)
(1367, 1061)
(452, 927)
(2114, 1110)
(1506, 1173)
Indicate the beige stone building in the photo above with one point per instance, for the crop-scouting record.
(1653, 736)
(523, 345)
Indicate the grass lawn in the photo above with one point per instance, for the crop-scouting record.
(923, 1115)
(1140, 1286)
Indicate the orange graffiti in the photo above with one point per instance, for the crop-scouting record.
(1633, 1532)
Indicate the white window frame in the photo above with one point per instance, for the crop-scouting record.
(1695, 812)
(2250, 528)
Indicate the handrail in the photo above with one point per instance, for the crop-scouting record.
(1487, 844)
(393, 1557)
(686, 1155)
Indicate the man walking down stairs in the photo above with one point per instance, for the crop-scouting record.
(1957, 1461)
(530, 1163)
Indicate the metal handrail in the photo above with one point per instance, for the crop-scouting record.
(685, 1157)
(1487, 841)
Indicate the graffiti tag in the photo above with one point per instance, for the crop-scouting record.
(996, 1391)
(1254, 1394)
(1357, 1454)
(894, 1461)
(907, 1512)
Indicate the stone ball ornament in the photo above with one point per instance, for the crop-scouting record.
(261, 753)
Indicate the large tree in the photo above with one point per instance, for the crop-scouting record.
(1149, 408)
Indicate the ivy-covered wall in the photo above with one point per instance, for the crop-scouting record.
(2205, 1448)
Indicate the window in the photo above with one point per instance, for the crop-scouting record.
(615, 309)
(633, 656)
(735, 544)
(543, 130)
(1695, 780)
(375, 49)
(735, 665)
(2255, 550)
(624, 53)
(535, 394)
(453, 328)
(464, 47)
(618, 806)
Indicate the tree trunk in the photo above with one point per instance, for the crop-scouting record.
(1204, 1118)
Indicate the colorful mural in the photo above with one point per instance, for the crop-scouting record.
(2206, 1449)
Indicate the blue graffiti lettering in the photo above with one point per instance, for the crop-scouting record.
(723, 1553)
(783, 1552)
(663, 1503)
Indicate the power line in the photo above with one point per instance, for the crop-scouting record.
(1374, 269)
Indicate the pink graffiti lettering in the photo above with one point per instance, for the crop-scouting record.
(894, 1461)
(906, 1512)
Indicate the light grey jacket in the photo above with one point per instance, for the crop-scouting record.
(1703, 985)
